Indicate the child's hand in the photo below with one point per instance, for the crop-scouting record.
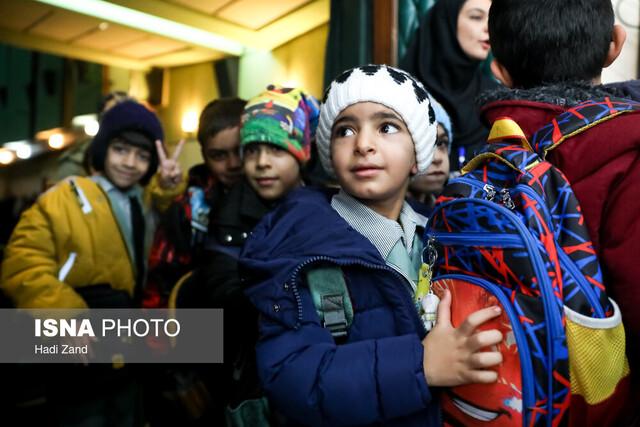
(169, 168)
(454, 356)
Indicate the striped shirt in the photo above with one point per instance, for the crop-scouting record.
(382, 232)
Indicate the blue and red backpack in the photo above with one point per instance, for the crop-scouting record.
(509, 231)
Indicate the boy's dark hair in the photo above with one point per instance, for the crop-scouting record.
(550, 41)
(219, 115)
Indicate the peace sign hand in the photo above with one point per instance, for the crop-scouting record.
(169, 168)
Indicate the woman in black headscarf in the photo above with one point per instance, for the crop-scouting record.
(446, 55)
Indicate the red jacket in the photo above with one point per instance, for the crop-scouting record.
(603, 166)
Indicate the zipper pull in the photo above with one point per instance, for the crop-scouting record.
(491, 192)
(506, 199)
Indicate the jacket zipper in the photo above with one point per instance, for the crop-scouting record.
(411, 306)
(342, 263)
(411, 286)
(85, 206)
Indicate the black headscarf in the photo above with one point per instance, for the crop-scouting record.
(454, 79)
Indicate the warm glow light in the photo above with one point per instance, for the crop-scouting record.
(153, 24)
(56, 141)
(22, 148)
(6, 156)
(291, 84)
(23, 152)
(91, 128)
(190, 121)
(87, 122)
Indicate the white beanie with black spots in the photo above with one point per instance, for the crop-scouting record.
(391, 87)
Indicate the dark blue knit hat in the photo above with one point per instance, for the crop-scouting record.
(133, 123)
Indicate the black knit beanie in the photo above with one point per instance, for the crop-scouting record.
(133, 123)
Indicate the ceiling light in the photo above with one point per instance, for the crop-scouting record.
(23, 152)
(291, 84)
(87, 122)
(22, 148)
(6, 156)
(56, 141)
(190, 121)
(91, 128)
(152, 24)
(103, 26)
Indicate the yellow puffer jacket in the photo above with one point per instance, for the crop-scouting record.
(66, 240)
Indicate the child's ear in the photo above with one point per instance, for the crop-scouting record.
(414, 169)
(501, 73)
(618, 37)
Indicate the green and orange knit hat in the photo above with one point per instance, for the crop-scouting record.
(284, 117)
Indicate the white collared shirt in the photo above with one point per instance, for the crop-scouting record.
(382, 232)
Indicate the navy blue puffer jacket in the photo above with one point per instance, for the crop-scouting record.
(376, 377)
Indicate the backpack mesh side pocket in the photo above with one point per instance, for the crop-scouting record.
(598, 366)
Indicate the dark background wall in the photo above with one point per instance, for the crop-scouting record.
(39, 91)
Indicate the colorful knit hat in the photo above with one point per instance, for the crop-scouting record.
(284, 117)
(391, 87)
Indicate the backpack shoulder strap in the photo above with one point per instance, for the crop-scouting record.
(331, 299)
(578, 119)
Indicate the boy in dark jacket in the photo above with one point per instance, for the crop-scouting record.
(179, 240)
(550, 55)
(275, 141)
(376, 130)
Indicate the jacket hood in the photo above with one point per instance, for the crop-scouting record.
(535, 107)
(565, 95)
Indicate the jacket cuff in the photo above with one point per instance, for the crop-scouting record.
(161, 198)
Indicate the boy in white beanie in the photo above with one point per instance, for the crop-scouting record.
(328, 269)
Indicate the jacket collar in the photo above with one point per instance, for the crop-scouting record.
(302, 228)
(241, 206)
(534, 108)
(382, 232)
